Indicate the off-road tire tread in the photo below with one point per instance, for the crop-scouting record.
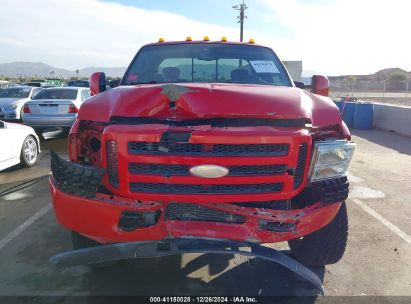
(324, 246)
(76, 179)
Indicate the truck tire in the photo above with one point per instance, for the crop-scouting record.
(81, 242)
(324, 246)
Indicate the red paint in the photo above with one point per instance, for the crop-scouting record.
(98, 218)
(97, 83)
(320, 85)
(212, 100)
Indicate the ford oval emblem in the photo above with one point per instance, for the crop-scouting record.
(209, 171)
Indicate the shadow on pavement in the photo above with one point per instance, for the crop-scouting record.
(387, 139)
(206, 275)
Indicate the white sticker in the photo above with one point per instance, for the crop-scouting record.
(264, 66)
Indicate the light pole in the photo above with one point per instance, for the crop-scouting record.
(242, 8)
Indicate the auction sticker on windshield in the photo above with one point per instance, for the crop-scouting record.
(264, 66)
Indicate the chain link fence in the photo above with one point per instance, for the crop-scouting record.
(371, 89)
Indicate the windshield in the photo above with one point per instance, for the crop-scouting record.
(57, 94)
(78, 83)
(15, 93)
(217, 63)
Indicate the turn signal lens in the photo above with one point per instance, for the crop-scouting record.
(161, 40)
(224, 39)
(26, 109)
(251, 41)
(189, 38)
(72, 109)
(206, 38)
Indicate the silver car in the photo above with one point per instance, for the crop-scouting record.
(12, 100)
(54, 107)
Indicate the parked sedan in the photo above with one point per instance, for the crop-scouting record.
(19, 144)
(78, 83)
(54, 107)
(12, 100)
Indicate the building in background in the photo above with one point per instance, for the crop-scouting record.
(295, 68)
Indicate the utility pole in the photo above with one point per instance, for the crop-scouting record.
(242, 8)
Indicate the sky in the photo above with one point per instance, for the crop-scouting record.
(331, 37)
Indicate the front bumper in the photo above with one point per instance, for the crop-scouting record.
(98, 218)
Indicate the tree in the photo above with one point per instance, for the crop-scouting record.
(397, 76)
(397, 81)
(351, 78)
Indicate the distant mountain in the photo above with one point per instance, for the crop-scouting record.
(377, 76)
(41, 70)
(384, 74)
(111, 72)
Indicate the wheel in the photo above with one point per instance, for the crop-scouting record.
(81, 242)
(29, 152)
(324, 246)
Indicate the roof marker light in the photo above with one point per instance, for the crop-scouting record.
(161, 40)
(189, 38)
(224, 39)
(206, 38)
(251, 41)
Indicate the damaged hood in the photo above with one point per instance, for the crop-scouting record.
(202, 101)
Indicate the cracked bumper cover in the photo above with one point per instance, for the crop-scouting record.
(79, 207)
(178, 246)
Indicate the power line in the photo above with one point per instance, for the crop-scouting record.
(242, 7)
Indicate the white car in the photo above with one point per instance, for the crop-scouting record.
(54, 107)
(12, 100)
(19, 145)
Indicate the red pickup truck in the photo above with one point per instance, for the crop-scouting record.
(205, 141)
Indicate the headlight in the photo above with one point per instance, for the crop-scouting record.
(331, 159)
(10, 108)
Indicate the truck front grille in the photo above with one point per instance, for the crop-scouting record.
(184, 170)
(178, 148)
(300, 170)
(205, 189)
(191, 212)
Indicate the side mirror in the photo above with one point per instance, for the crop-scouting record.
(320, 85)
(301, 85)
(97, 83)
